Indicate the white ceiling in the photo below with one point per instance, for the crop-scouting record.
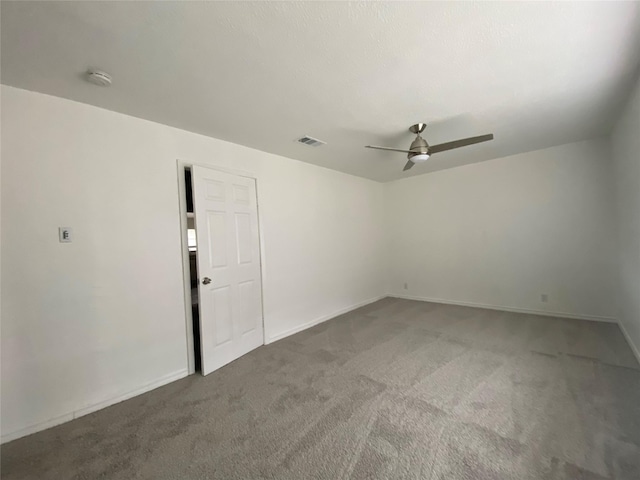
(262, 74)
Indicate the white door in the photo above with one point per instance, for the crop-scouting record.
(229, 288)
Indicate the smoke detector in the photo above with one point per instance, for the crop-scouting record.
(312, 142)
(98, 77)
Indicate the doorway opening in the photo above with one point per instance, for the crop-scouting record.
(193, 269)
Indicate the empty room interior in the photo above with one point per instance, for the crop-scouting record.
(320, 240)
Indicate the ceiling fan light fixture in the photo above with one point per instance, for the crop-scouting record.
(419, 158)
(420, 150)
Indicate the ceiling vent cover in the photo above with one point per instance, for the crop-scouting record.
(312, 142)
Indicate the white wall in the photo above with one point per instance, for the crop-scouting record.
(501, 233)
(103, 317)
(625, 143)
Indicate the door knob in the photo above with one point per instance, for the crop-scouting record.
(206, 280)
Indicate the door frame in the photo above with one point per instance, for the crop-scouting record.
(186, 274)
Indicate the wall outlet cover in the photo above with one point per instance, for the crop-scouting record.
(65, 234)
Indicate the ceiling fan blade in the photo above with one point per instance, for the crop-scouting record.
(459, 143)
(408, 166)
(389, 149)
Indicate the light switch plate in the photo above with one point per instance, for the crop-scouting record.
(65, 234)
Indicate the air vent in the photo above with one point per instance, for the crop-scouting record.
(312, 142)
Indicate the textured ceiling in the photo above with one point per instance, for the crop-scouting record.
(262, 74)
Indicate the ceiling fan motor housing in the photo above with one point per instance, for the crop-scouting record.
(419, 146)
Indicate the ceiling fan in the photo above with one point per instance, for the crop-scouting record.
(420, 150)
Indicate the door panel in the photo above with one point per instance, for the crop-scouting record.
(215, 190)
(226, 218)
(222, 316)
(216, 235)
(244, 238)
(241, 194)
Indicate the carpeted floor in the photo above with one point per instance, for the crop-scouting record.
(397, 389)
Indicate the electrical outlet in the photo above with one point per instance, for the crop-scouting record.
(544, 298)
(406, 285)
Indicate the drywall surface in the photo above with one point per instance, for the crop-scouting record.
(103, 318)
(504, 232)
(625, 145)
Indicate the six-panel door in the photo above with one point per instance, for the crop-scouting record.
(230, 291)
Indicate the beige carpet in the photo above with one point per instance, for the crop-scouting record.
(397, 389)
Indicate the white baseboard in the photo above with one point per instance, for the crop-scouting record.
(545, 313)
(324, 318)
(634, 347)
(37, 427)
